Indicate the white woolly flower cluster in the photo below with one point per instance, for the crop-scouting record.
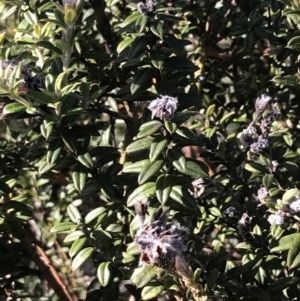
(276, 219)
(262, 194)
(160, 242)
(294, 205)
(163, 107)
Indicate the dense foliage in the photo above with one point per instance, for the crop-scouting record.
(149, 150)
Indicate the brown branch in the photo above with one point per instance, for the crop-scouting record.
(46, 268)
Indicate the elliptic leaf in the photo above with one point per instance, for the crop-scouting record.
(140, 144)
(157, 147)
(150, 171)
(92, 215)
(73, 236)
(164, 185)
(79, 177)
(136, 167)
(13, 108)
(63, 227)
(74, 214)
(69, 140)
(143, 275)
(146, 190)
(77, 246)
(81, 257)
(104, 273)
(149, 128)
(151, 292)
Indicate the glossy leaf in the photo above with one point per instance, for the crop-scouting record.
(143, 275)
(144, 191)
(81, 257)
(104, 273)
(157, 147)
(150, 292)
(77, 246)
(149, 128)
(150, 171)
(74, 214)
(92, 215)
(140, 144)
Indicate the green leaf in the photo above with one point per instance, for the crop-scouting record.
(73, 236)
(137, 47)
(184, 116)
(4, 187)
(74, 214)
(157, 147)
(171, 127)
(45, 166)
(131, 19)
(184, 198)
(69, 140)
(255, 168)
(79, 177)
(288, 80)
(143, 275)
(259, 294)
(177, 158)
(294, 43)
(86, 160)
(124, 44)
(140, 144)
(141, 23)
(70, 17)
(213, 278)
(136, 167)
(142, 80)
(63, 227)
(194, 169)
(92, 215)
(146, 190)
(77, 246)
(280, 284)
(176, 44)
(99, 92)
(150, 171)
(149, 128)
(164, 185)
(268, 180)
(48, 45)
(13, 108)
(186, 133)
(150, 292)
(289, 195)
(157, 29)
(286, 242)
(54, 150)
(81, 257)
(104, 273)
(106, 185)
(180, 63)
(40, 97)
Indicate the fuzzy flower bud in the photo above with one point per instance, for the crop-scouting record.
(259, 146)
(160, 243)
(262, 194)
(248, 134)
(261, 104)
(164, 107)
(146, 8)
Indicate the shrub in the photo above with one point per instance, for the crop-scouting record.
(149, 150)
